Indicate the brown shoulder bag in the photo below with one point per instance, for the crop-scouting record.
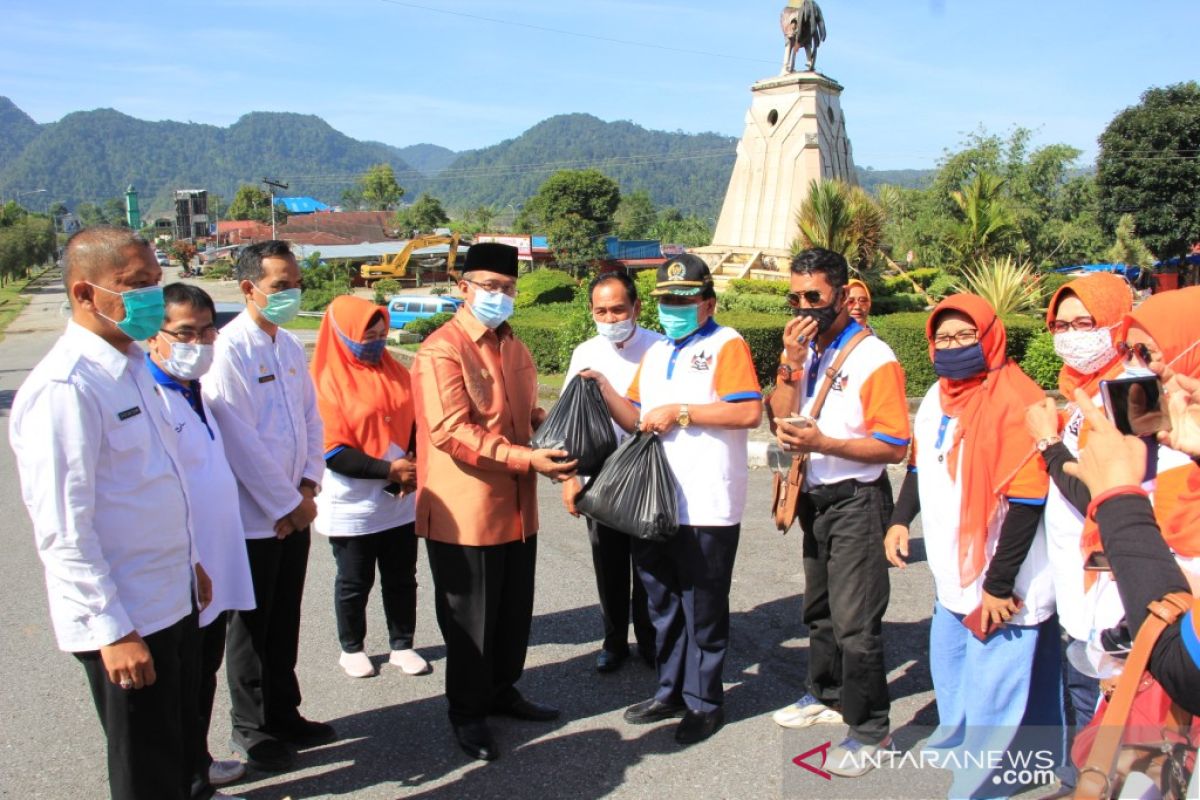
(786, 492)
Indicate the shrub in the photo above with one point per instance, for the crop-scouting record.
(1010, 286)
(896, 303)
(319, 298)
(545, 286)
(424, 327)
(1052, 282)
(218, 271)
(385, 289)
(757, 286)
(764, 334)
(1041, 362)
(944, 284)
(760, 303)
(542, 329)
(646, 281)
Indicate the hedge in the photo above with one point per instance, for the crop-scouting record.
(757, 286)
(1041, 362)
(543, 287)
(426, 326)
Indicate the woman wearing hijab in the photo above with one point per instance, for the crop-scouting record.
(366, 506)
(985, 546)
(858, 300)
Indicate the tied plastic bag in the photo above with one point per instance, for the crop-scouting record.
(580, 424)
(635, 492)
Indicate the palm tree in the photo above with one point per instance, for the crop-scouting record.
(986, 224)
(843, 219)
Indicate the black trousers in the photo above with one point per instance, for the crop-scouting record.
(846, 590)
(612, 558)
(151, 731)
(394, 553)
(687, 582)
(263, 643)
(212, 653)
(484, 602)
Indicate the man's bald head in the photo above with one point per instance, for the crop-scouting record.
(92, 252)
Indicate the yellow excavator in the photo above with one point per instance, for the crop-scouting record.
(395, 266)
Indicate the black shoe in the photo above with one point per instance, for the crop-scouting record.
(608, 661)
(527, 709)
(475, 739)
(652, 710)
(305, 733)
(696, 726)
(647, 655)
(268, 755)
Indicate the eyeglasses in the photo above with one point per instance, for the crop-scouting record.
(509, 289)
(1077, 324)
(1141, 351)
(858, 301)
(191, 335)
(964, 338)
(813, 298)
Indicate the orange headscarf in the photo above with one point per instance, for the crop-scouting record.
(990, 437)
(1106, 297)
(1173, 321)
(364, 406)
(861, 285)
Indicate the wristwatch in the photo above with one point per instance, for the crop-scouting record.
(684, 419)
(786, 374)
(1045, 444)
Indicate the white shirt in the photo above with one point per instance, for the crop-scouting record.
(105, 490)
(941, 502)
(263, 398)
(617, 364)
(358, 506)
(220, 540)
(709, 464)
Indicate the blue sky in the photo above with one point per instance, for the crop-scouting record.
(919, 74)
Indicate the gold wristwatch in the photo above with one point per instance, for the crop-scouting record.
(684, 419)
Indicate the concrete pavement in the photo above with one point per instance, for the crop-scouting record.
(395, 740)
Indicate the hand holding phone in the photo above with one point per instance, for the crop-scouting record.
(1136, 405)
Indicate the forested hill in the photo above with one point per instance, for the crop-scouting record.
(93, 155)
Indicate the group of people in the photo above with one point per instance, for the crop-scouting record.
(173, 491)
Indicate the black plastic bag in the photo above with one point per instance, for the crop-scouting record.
(580, 424)
(635, 492)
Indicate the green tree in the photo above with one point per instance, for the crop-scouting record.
(380, 191)
(635, 216)
(985, 226)
(1149, 166)
(114, 212)
(1128, 249)
(424, 216)
(672, 227)
(183, 251)
(575, 209)
(253, 203)
(25, 241)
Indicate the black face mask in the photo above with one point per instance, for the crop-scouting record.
(825, 316)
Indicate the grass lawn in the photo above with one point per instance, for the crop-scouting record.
(304, 324)
(11, 304)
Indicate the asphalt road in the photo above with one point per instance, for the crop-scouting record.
(394, 737)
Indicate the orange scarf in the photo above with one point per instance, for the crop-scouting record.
(990, 437)
(1107, 299)
(1171, 319)
(364, 406)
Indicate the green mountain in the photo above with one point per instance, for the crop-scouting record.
(872, 179)
(90, 156)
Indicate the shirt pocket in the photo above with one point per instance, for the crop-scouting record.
(126, 436)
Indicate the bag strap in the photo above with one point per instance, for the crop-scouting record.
(832, 371)
(1096, 776)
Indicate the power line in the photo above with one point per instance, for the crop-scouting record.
(562, 32)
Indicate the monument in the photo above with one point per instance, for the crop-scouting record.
(795, 132)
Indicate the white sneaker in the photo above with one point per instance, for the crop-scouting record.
(357, 665)
(223, 772)
(853, 759)
(806, 711)
(410, 662)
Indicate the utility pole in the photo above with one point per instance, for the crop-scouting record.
(273, 186)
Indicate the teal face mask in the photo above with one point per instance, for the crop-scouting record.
(678, 321)
(282, 307)
(144, 311)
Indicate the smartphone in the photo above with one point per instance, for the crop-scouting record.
(1097, 562)
(799, 422)
(1137, 406)
(393, 489)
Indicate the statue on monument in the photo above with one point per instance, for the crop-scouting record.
(803, 26)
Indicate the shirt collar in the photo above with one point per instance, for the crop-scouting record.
(163, 379)
(95, 349)
(704, 330)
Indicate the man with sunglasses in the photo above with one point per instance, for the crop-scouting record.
(178, 356)
(475, 387)
(862, 427)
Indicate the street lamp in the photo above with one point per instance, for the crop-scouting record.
(274, 185)
(19, 194)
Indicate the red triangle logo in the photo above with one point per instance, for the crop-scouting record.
(802, 760)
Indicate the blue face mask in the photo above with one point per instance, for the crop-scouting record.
(366, 352)
(960, 363)
(491, 308)
(144, 311)
(678, 321)
(282, 307)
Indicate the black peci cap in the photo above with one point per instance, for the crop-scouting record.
(491, 257)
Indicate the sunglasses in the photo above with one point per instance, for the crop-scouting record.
(1129, 351)
(813, 298)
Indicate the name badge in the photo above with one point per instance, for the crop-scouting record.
(128, 413)
(266, 379)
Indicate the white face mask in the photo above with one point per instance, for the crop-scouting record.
(616, 332)
(188, 362)
(1085, 352)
